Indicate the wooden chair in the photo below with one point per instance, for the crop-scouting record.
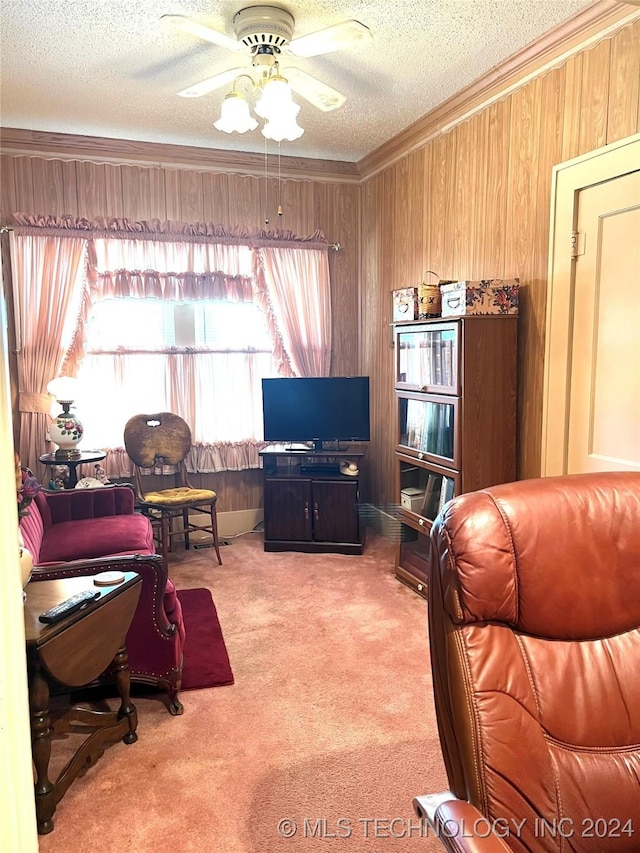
(165, 439)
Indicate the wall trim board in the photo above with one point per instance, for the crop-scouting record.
(601, 20)
(595, 23)
(232, 523)
(97, 149)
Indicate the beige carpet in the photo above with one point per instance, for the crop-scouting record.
(329, 726)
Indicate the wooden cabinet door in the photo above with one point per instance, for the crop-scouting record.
(287, 510)
(335, 511)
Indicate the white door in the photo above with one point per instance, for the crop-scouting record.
(604, 404)
(591, 403)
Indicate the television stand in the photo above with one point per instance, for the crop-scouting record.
(309, 505)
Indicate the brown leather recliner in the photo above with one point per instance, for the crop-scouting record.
(534, 630)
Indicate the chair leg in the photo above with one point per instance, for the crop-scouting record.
(176, 708)
(185, 525)
(214, 532)
(164, 524)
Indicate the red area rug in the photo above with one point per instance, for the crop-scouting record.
(206, 661)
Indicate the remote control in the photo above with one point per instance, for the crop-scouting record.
(55, 614)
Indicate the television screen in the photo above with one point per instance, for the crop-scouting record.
(327, 408)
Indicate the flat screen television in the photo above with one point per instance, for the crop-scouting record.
(316, 409)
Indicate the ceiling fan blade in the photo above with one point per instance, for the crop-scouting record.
(345, 34)
(319, 94)
(211, 83)
(202, 31)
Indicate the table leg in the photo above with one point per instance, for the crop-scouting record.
(41, 747)
(123, 683)
(73, 474)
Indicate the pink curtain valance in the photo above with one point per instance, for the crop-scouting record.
(156, 229)
(149, 283)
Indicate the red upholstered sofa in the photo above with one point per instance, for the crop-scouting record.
(87, 531)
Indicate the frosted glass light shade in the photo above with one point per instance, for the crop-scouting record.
(235, 115)
(64, 388)
(284, 126)
(275, 100)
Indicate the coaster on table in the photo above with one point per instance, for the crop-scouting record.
(108, 578)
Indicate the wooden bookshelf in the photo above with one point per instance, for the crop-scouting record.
(455, 388)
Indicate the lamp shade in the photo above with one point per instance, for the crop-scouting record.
(284, 125)
(275, 100)
(64, 388)
(282, 130)
(235, 115)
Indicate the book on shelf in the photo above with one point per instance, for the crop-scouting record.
(437, 350)
(414, 424)
(440, 437)
(431, 496)
(431, 427)
(447, 361)
(446, 492)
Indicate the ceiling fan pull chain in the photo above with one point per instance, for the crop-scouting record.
(266, 206)
(280, 210)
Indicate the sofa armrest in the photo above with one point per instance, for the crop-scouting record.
(78, 504)
(460, 827)
(151, 567)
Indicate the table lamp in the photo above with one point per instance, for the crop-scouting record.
(65, 430)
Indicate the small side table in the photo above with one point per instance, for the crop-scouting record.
(72, 464)
(73, 653)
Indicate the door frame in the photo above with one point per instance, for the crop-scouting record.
(568, 179)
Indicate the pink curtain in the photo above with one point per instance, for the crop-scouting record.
(46, 277)
(297, 298)
(286, 276)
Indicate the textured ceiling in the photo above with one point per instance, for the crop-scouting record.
(110, 69)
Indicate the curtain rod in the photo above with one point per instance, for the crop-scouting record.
(337, 247)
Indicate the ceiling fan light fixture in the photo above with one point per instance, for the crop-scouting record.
(283, 129)
(266, 31)
(275, 98)
(235, 115)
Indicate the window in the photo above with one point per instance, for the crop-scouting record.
(184, 317)
(201, 359)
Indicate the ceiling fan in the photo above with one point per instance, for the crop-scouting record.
(265, 33)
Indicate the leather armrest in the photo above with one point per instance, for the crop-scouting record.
(151, 567)
(460, 827)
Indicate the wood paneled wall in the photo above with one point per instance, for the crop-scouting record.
(45, 185)
(471, 202)
(475, 203)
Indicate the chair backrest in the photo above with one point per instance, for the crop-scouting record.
(534, 631)
(159, 439)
